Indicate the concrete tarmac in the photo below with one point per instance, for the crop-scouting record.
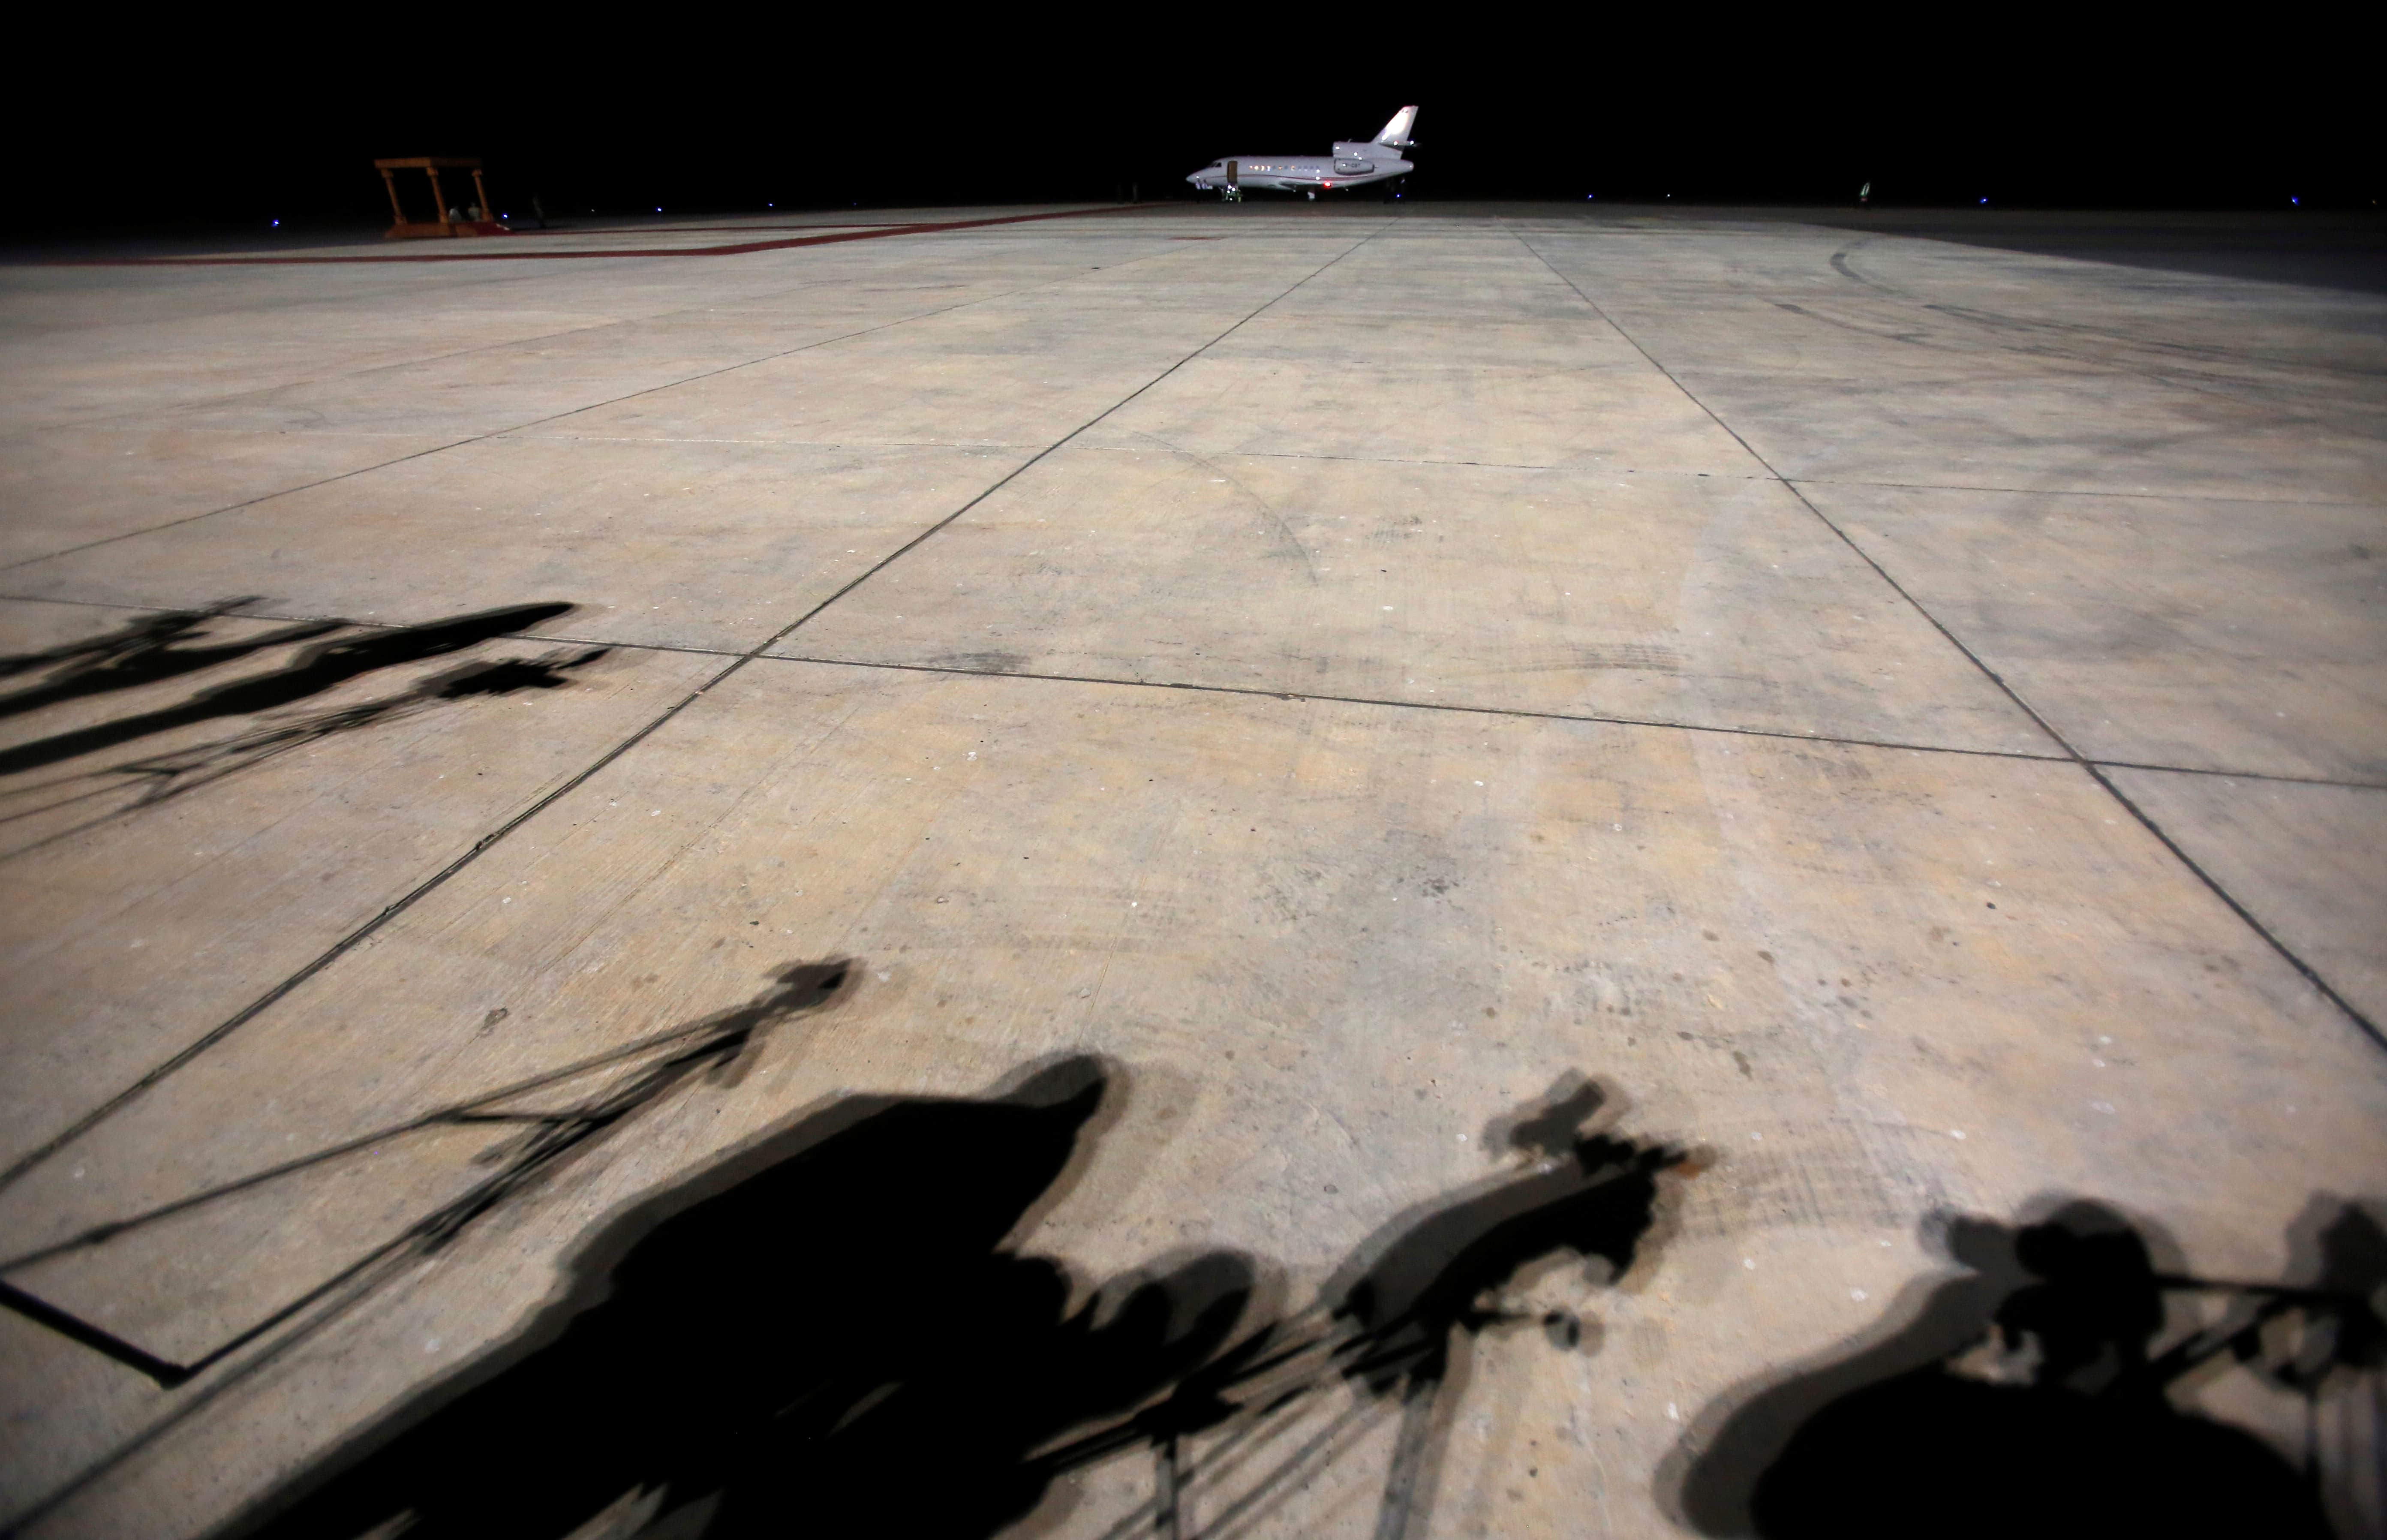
(1904, 720)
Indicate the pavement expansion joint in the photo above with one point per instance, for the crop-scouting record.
(94, 1117)
(523, 427)
(1228, 867)
(1392, 703)
(2361, 1019)
(2071, 492)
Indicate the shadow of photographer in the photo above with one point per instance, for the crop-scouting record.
(2026, 1396)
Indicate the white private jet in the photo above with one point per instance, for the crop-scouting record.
(1351, 165)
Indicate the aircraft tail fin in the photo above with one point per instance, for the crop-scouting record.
(1395, 135)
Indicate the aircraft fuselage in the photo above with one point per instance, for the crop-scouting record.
(1351, 165)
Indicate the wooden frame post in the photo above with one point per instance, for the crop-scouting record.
(439, 223)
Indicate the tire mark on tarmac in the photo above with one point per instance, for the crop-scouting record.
(536, 421)
(2076, 332)
(341, 948)
(735, 249)
(1787, 734)
(2089, 767)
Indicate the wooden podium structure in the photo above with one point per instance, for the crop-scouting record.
(439, 223)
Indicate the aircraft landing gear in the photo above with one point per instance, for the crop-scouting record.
(1313, 197)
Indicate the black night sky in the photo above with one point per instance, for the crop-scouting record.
(205, 125)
